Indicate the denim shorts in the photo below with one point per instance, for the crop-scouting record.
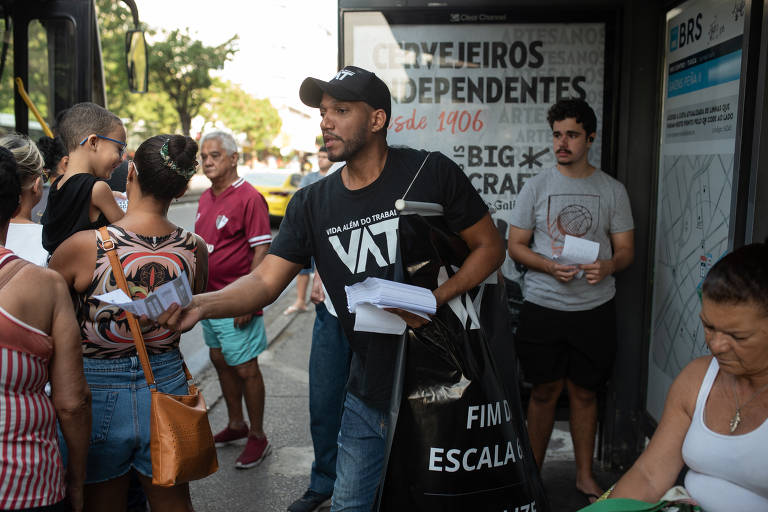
(121, 404)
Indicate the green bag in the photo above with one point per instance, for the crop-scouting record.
(629, 505)
(624, 505)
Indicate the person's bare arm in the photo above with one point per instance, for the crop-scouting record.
(655, 472)
(317, 295)
(520, 252)
(75, 260)
(623, 245)
(70, 393)
(103, 200)
(249, 293)
(201, 266)
(486, 254)
(259, 252)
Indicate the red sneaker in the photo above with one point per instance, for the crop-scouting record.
(255, 450)
(228, 435)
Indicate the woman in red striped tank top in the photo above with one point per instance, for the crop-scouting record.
(39, 341)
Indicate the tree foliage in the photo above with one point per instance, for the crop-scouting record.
(181, 66)
(179, 73)
(242, 113)
(152, 112)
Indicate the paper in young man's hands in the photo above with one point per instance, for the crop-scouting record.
(177, 291)
(578, 251)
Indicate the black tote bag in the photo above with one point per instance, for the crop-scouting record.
(459, 441)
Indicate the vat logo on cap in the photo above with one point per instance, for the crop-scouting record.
(344, 73)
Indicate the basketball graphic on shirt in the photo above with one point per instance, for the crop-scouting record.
(571, 214)
(574, 220)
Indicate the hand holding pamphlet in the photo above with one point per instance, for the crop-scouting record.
(578, 251)
(177, 291)
(368, 299)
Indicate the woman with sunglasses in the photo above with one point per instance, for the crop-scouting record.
(152, 251)
(80, 199)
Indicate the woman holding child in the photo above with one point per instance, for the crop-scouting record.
(152, 252)
(715, 418)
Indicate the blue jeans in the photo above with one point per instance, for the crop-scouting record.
(328, 372)
(362, 446)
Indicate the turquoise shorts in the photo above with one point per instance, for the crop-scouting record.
(238, 346)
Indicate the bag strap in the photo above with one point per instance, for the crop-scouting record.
(418, 171)
(11, 265)
(109, 246)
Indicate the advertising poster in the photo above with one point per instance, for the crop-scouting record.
(478, 87)
(698, 130)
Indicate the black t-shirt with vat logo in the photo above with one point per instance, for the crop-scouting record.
(352, 235)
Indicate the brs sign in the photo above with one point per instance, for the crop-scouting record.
(687, 32)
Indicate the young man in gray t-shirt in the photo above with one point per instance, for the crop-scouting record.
(567, 332)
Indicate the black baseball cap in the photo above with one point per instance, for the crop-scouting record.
(349, 84)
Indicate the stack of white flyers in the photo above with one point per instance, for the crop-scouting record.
(177, 291)
(578, 251)
(368, 298)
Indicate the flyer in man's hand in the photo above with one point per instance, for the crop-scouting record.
(578, 251)
(177, 291)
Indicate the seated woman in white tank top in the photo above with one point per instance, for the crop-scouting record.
(715, 419)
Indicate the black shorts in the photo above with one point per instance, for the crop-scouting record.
(578, 345)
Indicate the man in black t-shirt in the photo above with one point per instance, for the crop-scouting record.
(349, 224)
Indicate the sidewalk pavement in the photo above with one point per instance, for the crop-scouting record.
(559, 473)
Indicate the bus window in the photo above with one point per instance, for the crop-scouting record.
(7, 123)
(51, 75)
(51, 83)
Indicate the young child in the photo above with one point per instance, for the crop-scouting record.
(79, 199)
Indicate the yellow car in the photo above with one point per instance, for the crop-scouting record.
(277, 187)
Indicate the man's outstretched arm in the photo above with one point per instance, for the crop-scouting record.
(249, 293)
